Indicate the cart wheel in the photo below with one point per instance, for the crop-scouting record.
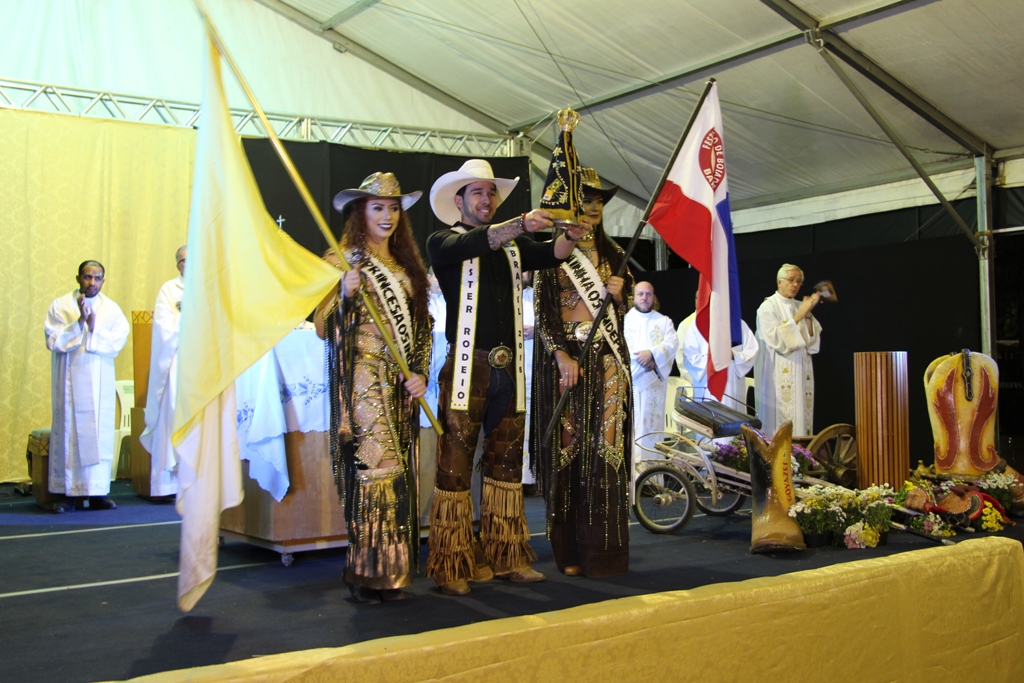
(287, 559)
(729, 501)
(664, 500)
(835, 448)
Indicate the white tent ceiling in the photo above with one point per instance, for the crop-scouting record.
(633, 69)
(792, 129)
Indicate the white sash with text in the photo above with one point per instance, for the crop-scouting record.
(587, 281)
(463, 352)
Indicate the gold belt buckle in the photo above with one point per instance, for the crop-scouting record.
(583, 331)
(499, 357)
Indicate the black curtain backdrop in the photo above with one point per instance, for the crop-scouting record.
(328, 168)
(920, 297)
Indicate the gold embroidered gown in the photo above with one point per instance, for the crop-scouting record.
(583, 469)
(374, 424)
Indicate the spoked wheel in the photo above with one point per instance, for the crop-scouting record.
(729, 500)
(835, 449)
(664, 500)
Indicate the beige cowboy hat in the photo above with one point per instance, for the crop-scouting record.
(442, 194)
(377, 185)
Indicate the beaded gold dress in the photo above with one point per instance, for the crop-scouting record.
(584, 468)
(374, 424)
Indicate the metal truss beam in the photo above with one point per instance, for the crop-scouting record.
(664, 80)
(879, 76)
(729, 59)
(347, 13)
(57, 99)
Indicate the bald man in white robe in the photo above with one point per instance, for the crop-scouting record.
(651, 338)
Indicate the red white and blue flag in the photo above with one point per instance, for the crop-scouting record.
(691, 213)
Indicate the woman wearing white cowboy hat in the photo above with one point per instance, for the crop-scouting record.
(374, 420)
(478, 266)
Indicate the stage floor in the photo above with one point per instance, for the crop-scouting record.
(90, 596)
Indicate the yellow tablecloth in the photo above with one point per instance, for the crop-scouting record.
(938, 614)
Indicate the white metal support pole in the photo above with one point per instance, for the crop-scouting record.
(986, 253)
(660, 254)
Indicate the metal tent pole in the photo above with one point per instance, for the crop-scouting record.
(986, 253)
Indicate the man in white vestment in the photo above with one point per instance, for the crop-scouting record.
(788, 335)
(163, 382)
(686, 371)
(651, 338)
(85, 330)
(529, 482)
(695, 350)
(427, 454)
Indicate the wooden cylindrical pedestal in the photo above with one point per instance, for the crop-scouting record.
(883, 435)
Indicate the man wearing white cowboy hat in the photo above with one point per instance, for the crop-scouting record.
(479, 268)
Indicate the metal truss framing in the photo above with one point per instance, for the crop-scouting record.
(58, 99)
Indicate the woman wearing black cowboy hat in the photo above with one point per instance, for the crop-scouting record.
(584, 467)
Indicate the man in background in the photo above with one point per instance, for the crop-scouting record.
(85, 330)
(695, 349)
(163, 381)
(651, 338)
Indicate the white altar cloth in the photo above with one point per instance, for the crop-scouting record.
(285, 391)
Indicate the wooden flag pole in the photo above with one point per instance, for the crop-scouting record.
(629, 252)
(321, 223)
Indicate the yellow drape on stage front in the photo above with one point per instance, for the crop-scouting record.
(71, 189)
(930, 616)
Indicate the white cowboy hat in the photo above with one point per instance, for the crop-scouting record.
(377, 185)
(442, 194)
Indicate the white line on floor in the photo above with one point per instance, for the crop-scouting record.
(85, 531)
(98, 584)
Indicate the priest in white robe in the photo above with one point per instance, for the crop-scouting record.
(427, 453)
(85, 330)
(787, 335)
(529, 317)
(695, 350)
(686, 371)
(163, 382)
(651, 338)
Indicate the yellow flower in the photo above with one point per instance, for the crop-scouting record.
(991, 520)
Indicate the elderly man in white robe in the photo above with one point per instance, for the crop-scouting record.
(788, 335)
(695, 351)
(85, 330)
(651, 338)
(163, 382)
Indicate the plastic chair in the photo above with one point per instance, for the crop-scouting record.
(125, 390)
(672, 384)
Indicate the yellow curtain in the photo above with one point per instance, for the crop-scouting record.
(73, 189)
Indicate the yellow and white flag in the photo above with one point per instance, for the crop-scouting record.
(247, 285)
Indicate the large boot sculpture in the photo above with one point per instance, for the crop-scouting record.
(771, 486)
(961, 390)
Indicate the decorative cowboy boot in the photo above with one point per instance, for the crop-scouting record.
(962, 391)
(771, 487)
